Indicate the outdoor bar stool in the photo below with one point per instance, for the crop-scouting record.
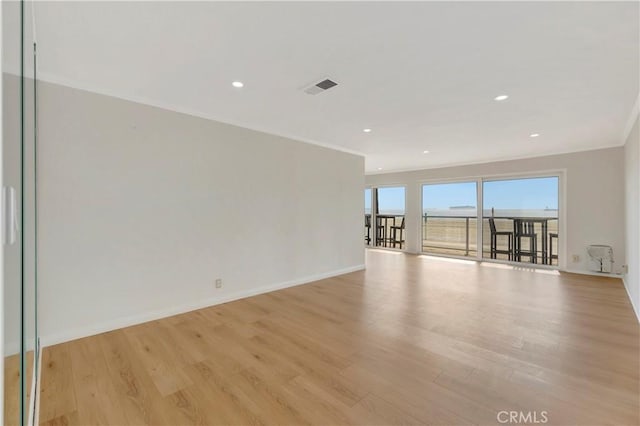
(552, 256)
(367, 225)
(526, 229)
(381, 232)
(494, 241)
(395, 230)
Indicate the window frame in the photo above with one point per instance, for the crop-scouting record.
(561, 174)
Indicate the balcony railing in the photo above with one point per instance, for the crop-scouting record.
(456, 235)
(389, 231)
(449, 234)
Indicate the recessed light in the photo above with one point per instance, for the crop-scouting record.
(237, 84)
(425, 152)
(366, 130)
(501, 98)
(379, 168)
(534, 135)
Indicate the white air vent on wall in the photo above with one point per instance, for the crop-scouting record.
(601, 258)
(320, 87)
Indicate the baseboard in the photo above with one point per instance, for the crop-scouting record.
(592, 273)
(103, 327)
(633, 305)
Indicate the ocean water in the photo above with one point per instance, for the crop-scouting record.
(462, 212)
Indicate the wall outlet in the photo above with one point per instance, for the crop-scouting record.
(575, 258)
(625, 269)
(219, 283)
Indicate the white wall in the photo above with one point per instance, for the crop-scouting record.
(141, 209)
(632, 210)
(594, 196)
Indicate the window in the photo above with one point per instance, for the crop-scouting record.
(520, 220)
(449, 218)
(390, 217)
(368, 229)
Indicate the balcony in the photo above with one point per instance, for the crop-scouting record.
(457, 235)
(390, 231)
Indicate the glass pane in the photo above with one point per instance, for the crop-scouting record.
(449, 218)
(367, 217)
(11, 178)
(389, 209)
(520, 220)
(19, 178)
(28, 209)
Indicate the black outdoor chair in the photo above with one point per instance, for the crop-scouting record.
(367, 225)
(526, 229)
(381, 232)
(395, 230)
(494, 241)
(552, 256)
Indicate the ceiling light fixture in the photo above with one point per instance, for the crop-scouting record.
(379, 168)
(534, 135)
(425, 152)
(501, 98)
(366, 130)
(237, 84)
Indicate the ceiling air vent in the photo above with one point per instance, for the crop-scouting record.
(320, 87)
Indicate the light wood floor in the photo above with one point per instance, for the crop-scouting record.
(12, 388)
(411, 340)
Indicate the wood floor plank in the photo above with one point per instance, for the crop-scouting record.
(12, 390)
(57, 390)
(160, 358)
(139, 398)
(373, 410)
(409, 340)
(92, 389)
(267, 399)
(224, 401)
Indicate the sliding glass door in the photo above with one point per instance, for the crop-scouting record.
(384, 217)
(449, 218)
(368, 228)
(390, 212)
(520, 220)
(19, 253)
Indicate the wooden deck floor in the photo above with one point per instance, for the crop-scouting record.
(411, 340)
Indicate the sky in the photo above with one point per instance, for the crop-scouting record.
(530, 194)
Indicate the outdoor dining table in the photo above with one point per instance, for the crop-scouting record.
(381, 238)
(544, 222)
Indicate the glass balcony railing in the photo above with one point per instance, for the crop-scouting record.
(454, 235)
(520, 239)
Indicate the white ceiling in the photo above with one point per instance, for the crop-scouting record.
(421, 75)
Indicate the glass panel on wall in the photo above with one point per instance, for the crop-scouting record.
(390, 220)
(449, 218)
(368, 229)
(19, 192)
(520, 220)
